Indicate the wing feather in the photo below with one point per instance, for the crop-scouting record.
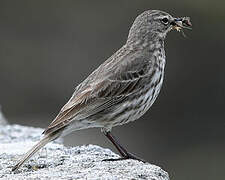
(103, 89)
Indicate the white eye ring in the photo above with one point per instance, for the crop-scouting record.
(165, 20)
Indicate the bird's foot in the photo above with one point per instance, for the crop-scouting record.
(125, 157)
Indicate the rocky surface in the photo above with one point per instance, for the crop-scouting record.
(3, 120)
(55, 161)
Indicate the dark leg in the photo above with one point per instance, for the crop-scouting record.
(124, 153)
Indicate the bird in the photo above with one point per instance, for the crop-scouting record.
(122, 88)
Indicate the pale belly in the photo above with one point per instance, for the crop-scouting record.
(132, 110)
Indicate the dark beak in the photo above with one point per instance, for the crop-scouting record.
(179, 23)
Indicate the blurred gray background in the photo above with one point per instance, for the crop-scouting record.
(48, 47)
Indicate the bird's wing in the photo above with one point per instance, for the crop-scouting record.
(104, 88)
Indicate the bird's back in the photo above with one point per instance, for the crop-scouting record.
(118, 91)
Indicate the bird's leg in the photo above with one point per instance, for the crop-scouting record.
(115, 143)
(124, 153)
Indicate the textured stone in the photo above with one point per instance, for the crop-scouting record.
(55, 161)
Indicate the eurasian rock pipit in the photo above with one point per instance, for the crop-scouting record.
(121, 89)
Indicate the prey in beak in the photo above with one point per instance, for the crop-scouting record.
(181, 23)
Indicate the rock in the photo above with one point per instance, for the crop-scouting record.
(3, 120)
(55, 161)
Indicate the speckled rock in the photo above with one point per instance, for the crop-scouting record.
(55, 161)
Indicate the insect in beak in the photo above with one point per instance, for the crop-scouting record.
(180, 23)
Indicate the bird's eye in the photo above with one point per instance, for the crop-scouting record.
(165, 21)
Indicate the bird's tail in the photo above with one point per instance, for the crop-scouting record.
(34, 149)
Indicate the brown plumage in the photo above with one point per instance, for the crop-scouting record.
(121, 89)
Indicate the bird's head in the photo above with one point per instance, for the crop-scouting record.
(157, 24)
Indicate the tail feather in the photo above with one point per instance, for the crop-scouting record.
(34, 149)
